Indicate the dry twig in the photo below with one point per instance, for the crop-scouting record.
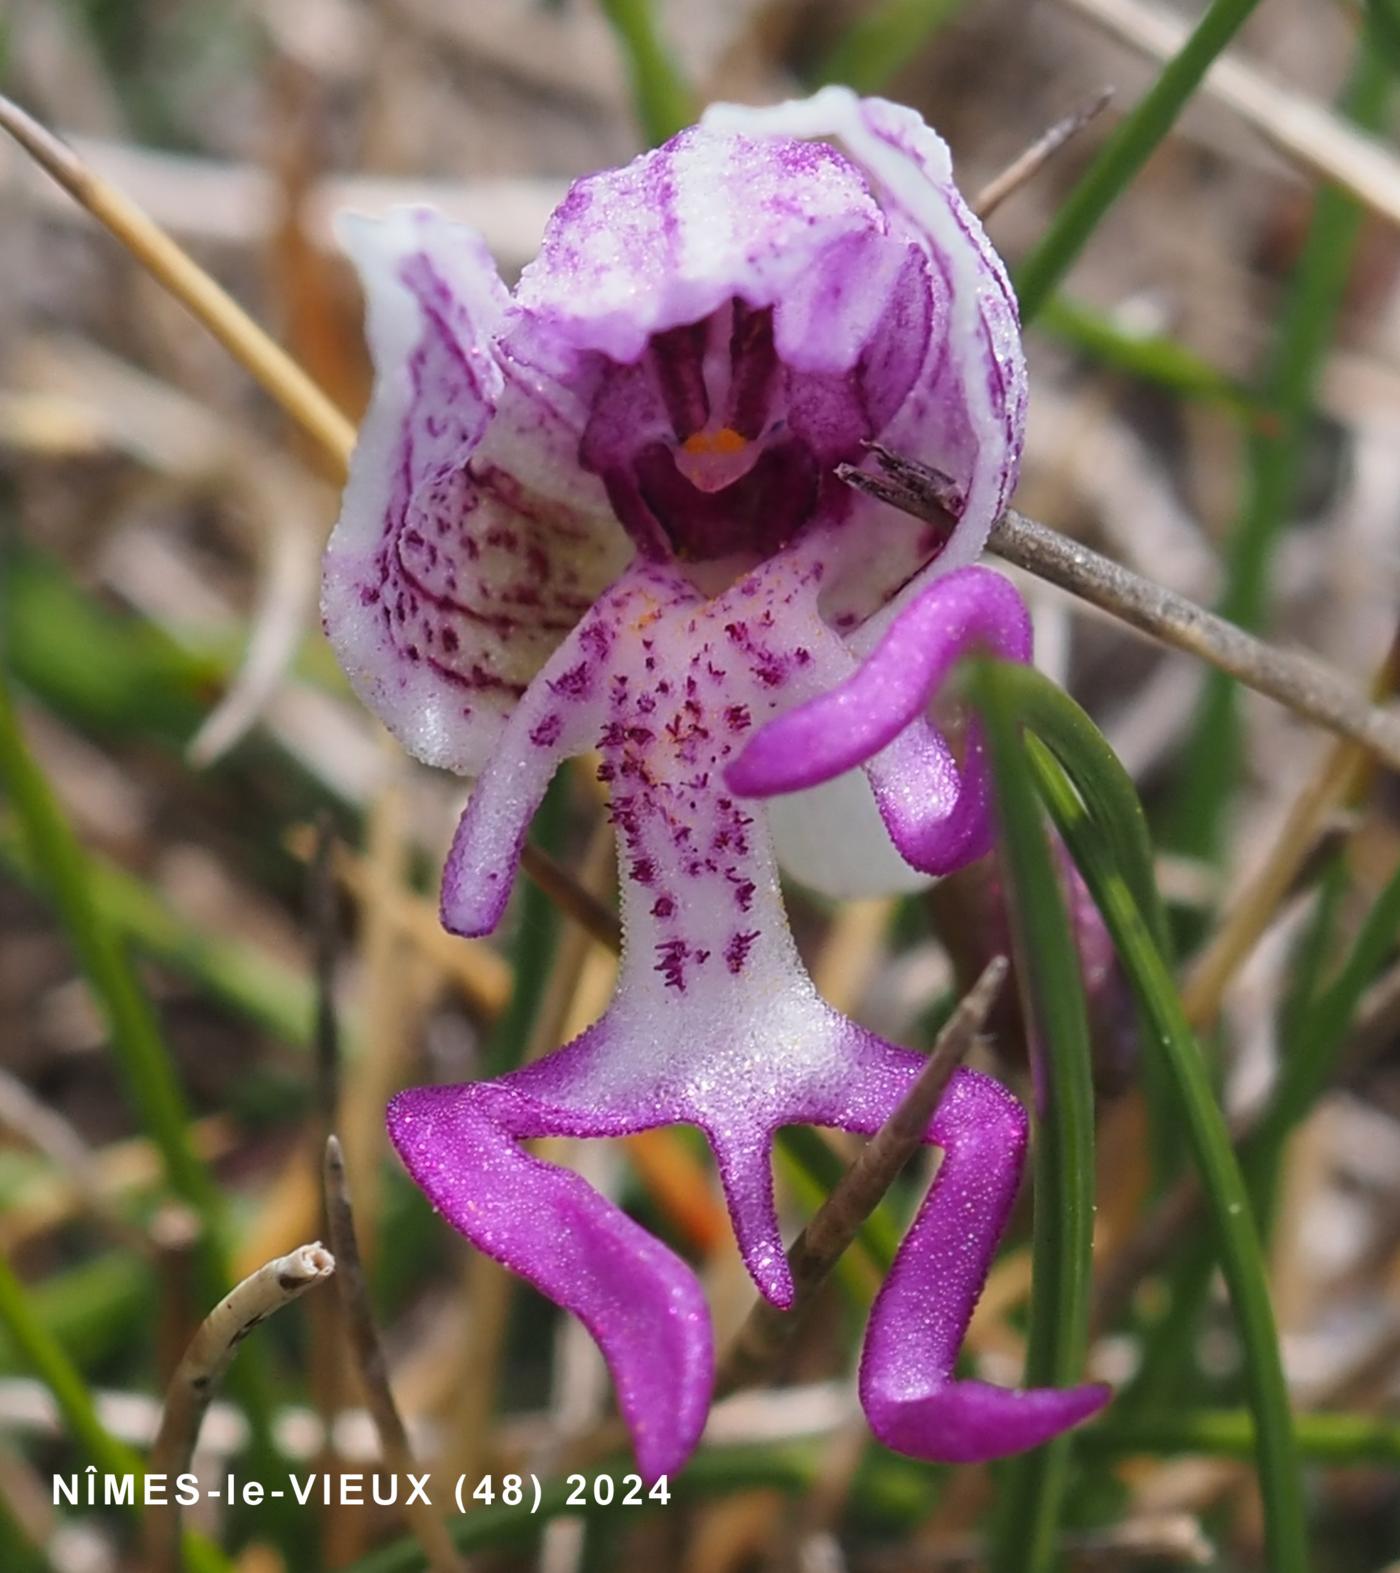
(1300, 682)
(859, 1191)
(210, 1352)
(1038, 154)
(269, 365)
(1304, 131)
(1340, 773)
(353, 1294)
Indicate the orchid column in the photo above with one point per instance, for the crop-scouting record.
(602, 514)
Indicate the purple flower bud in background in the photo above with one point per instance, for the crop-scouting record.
(601, 513)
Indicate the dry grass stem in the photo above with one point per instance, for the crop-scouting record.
(859, 1191)
(1038, 154)
(1299, 682)
(1157, 1236)
(1306, 132)
(353, 1293)
(210, 1352)
(571, 897)
(270, 366)
(287, 591)
(481, 974)
(1341, 771)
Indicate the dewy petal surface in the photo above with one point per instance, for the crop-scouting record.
(679, 231)
(966, 408)
(452, 574)
(936, 812)
(602, 515)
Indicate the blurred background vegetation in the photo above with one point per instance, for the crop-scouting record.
(1214, 335)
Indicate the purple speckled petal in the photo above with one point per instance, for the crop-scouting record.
(558, 716)
(642, 1304)
(458, 564)
(683, 229)
(965, 411)
(906, 1374)
(936, 812)
(602, 514)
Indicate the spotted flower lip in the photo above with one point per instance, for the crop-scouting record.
(600, 513)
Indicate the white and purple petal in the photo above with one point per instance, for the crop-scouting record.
(965, 408)
(455, 567)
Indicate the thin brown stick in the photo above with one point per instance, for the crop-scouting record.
(210, 1352)
(1038, 154)
(323, 921)
(859, 1191)
(268, 364)
(1300, 682)
(482, 974)
(1338, 776)
(572, 897)
(353, 1294)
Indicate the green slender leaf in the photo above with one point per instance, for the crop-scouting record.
(1311, 1050)
(28, 1332)
(1241, 1254)
(1230, 1433)
(1213, 755)
(1056, 722)
(662, 98)
(1047, 964)
(1152, 357)
(1124, 154)
(1066, 730)
(245, 978)
(135, 1034)
(885, 38)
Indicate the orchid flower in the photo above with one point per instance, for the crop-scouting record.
(601, 513)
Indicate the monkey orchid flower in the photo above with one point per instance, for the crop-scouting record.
(600, 512)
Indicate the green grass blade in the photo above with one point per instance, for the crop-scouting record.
(1362, 1440)
(135, 1034)
(1063, 726)
(1213, 754)
(1151, 357)
(136, 1040)
(1124, 154)
(247, 979)
(1056, 722)
(42, 1354)
(1027, 1520)
(887, 37)
(661, 97)
(29, 1334)
(1241, 1254)
(1311, 1048)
